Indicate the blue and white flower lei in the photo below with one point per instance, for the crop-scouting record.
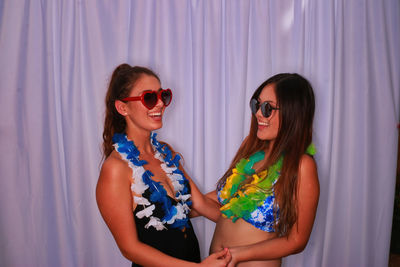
(175, 215)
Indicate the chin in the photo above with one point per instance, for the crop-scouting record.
(157, 126)
(265, 136)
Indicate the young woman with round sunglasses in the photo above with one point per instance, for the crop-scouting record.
(143, 193)
(269, 194)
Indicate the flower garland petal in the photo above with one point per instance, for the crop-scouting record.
(156, 223)
(141, 201)
(146, 212)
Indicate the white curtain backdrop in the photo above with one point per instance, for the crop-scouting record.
(56, 60)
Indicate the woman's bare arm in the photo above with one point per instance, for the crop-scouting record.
(202, 205)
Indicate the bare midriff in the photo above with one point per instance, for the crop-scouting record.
(240, 233)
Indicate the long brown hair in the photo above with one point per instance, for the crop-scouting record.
(295, 98)
(122, 81)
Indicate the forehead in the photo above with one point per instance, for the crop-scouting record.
(268, 94)
(146, 82)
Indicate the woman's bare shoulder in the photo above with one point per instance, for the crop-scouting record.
(308, 175)
(307, 164)
(114, 168)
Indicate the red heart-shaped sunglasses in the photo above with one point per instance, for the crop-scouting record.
(150, 98)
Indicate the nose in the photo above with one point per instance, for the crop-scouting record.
(160, 103)
(259, 113)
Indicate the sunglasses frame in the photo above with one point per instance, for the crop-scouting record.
(266, 107)
(142, 96)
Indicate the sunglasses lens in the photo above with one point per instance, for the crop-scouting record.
(266, 109)
(254, 105)
(166, 97)
(150, 99)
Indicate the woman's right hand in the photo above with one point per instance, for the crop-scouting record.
(220, 259)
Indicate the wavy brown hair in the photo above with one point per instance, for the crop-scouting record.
(122, 81)
(295, 98)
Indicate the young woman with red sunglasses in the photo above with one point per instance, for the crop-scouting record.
(270, 192)
(143, 193)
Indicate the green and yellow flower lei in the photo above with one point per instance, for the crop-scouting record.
(241, 202)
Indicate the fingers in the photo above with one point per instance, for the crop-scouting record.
(228, 256)
(220, 258)
(221, 253)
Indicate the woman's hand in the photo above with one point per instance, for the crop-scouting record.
(220, 259)
(234, 251)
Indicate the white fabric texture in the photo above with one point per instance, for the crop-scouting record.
(56, 60)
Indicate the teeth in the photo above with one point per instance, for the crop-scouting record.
(155, 114)
(263, 123)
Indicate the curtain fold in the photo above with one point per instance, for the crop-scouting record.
(56, 61)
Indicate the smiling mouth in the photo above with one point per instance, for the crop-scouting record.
(263, 123)
(155, 114)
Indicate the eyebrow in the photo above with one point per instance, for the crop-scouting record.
(150, 90)
(270, 101)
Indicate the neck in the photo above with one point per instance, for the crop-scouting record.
(141, 140)
(268, 149)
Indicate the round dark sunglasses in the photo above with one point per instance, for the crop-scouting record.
(266, 107)
(150, 98)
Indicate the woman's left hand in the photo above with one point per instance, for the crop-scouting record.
(220, 259)
(234, 251)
